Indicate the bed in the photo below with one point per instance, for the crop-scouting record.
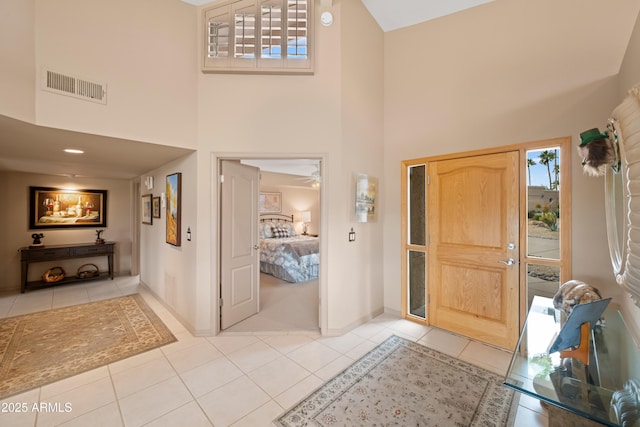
(284, 253)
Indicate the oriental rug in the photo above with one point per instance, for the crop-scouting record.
(39, 348)
(401, 383)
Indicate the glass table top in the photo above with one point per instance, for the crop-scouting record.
(605, 391)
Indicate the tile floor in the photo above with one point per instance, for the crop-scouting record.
(241, 379)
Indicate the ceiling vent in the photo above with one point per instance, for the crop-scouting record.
(66, 84)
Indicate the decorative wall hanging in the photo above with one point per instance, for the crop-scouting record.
(365, 193)
(62, 208)
(270, 203)
(146, 209)
(155, 207)
(174, 202)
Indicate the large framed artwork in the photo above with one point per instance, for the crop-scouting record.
(174, 202)
(365, 193)
(51, 207)
(270, 202)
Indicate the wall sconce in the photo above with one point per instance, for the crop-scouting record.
(305, 217)
(189, 234)
(148, 182)
(352, 235)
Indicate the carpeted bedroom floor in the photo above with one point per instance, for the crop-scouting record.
(284, 306)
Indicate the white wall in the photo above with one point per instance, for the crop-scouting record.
(145, 52)
(316, 110)
(168, 270)
(16, 233)
(443, 96)
(17, 50)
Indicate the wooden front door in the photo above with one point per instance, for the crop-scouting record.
(473, 223)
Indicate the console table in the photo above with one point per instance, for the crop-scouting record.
(30, 255)
(604, 392)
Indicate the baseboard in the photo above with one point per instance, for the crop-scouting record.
(353, 325)
(178, 317)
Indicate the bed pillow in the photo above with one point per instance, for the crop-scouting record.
(265, 230)
(280, 230)
(291, 229)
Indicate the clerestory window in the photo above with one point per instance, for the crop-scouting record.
(259, 36)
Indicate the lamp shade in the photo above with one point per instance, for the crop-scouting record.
(305, 216)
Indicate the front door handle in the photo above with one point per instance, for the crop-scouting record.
(510, 261)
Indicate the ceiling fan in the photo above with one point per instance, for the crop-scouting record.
(314, 178)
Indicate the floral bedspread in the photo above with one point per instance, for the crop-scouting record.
(294, 259)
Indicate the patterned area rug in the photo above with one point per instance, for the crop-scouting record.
(40, 348)
(402, 383)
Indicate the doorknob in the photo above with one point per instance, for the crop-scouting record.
(510, 261)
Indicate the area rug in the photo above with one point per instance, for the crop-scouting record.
(40, 348)
(401, 383)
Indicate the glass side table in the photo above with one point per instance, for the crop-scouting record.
(606, 391)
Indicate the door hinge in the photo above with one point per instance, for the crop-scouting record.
(428, 179)
(428, 299)
(221, 302)
(221, 179)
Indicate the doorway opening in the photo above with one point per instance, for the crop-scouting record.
(289, 286)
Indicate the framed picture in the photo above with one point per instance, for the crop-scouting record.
(174, 202)
(365, 193)
(51, 207)
(270, 202)
(155, 207)
(146, 209)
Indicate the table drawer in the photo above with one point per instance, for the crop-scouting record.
(92, 250)
(45, 254)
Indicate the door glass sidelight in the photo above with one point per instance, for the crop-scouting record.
(416, 241)
(417, 205)
(542, 280)
(543, 203)
(417, 280)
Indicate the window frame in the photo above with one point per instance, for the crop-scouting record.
(226, 12)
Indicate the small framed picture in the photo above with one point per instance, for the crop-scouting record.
(146, 209)
(270, 202)
(365, 195)
(155, 206)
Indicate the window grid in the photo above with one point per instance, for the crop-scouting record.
(297, 28)
(245, 38)
(218, 46)
(271, 30)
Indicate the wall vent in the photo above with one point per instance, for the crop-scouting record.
(66, 84)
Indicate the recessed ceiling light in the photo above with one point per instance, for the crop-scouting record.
(73, 151)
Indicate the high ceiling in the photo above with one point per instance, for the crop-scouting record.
(37, 149)
(394, 14)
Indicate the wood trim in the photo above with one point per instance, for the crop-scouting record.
(564, 263)
(564, 143)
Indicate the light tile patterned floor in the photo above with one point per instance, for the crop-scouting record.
(228, 380)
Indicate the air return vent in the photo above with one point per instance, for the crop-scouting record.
(66, 84)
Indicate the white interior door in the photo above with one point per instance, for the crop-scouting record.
(240, 272)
